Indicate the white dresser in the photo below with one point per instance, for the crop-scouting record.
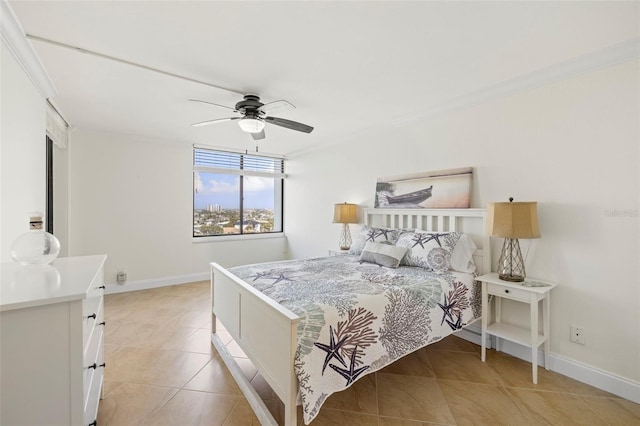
(51, 342)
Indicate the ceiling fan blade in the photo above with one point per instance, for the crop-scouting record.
(276, 107)
(258, 136)
(217, 120)
(293, 125)
(211, 103)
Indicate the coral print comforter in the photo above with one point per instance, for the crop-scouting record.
(359, 317)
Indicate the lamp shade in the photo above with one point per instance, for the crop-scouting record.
(345, 213)
(513, 220)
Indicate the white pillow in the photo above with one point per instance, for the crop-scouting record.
(462, 255)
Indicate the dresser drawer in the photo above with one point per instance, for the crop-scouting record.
(92, 315)
(91, 347)
(92, 380)
(95, 292)
(97, 285)
(93, 355)
(93, 398)
(508, 292)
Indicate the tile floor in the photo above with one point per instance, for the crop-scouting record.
(162, 370)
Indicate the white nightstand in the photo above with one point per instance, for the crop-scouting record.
(337, 252)
(530, 291)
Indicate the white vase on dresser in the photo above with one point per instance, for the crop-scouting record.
(51, 341)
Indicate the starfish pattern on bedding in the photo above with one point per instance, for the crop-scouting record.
(419, 239)
(446, 308)
(384, 232)
(435, 237)
(332, 349)
(259, 275)
(352, 373)
(455, 325)
(271, 275)
(281, 277)
(372, 234)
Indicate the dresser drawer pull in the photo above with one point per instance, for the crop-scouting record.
(102, 323)
(507, 291)
(94, 365)
(94, 423)
(102, 287)
(92, 316)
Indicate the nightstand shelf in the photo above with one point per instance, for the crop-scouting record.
(514, 333)
(530, 292)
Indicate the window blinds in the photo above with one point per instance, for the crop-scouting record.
(214, 161)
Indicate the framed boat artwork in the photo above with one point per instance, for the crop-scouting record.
(428, 190)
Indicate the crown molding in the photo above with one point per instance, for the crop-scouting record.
(13, 36)
(603, 58)
(609, 56)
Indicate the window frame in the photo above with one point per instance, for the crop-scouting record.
(278, 162)
(49, 185)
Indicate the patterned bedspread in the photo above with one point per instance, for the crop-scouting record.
(359, 317)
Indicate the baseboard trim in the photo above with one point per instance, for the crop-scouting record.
(592, 376)
(473, 334)
(595, 377)
(156, 283)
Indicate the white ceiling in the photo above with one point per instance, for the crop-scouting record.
(349, 67)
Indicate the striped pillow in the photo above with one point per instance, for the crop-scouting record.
(382, 254)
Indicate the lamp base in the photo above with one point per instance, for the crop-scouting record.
(345, 238)
(511, 264)
(512, 278)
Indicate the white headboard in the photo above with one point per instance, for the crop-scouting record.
(468, 221)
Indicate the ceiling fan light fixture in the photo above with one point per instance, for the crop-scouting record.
(251, 125)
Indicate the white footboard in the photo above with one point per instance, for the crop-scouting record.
(264, 330)
(267, 331)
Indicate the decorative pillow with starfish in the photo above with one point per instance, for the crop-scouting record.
(420, 244)
(376, 235)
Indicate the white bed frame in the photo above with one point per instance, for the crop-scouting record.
(267, 331)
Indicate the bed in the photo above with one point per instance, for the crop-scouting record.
(308, 338)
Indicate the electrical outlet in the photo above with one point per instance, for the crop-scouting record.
(121, 276)
(577, 335)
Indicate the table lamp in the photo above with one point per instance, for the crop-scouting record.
(345, 214)
(512, 221)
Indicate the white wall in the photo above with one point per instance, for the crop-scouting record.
(573, 146)
(132, 198)
(22, 151)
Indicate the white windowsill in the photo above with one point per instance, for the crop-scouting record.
(237, 237)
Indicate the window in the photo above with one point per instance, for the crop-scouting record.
(236, 193)
(48, 216)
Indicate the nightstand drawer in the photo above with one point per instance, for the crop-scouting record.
(508, 292)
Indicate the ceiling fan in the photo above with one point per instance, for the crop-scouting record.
(254, 115)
